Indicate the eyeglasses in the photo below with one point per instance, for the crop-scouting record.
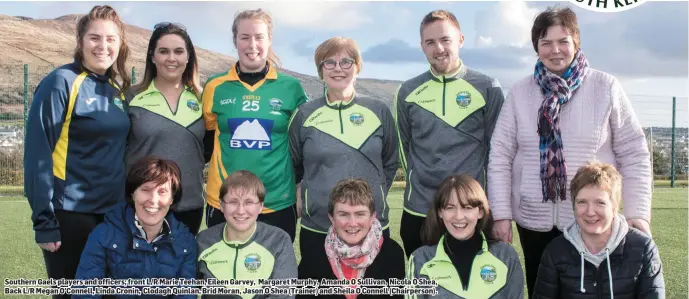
(169, 24)
(345, 63)
(234, 204)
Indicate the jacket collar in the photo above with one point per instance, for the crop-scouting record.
(614, 245)
(82, 68)
(164, 229)
(488, 273)
(138, 240)
(240, 244)
(340, 104)
(153, 89)
(460, 73)
(441, 255)
(232, 75)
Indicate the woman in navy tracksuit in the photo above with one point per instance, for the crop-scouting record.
(76, 135)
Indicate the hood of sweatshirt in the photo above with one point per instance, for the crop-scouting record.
(619, 231)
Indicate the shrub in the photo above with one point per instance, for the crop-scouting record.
(11, 166)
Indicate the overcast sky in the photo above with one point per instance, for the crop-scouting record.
(645, 47)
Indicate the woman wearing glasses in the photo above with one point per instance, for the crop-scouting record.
(249, 108)
(166, 117)
(242, 248)
(338, 136)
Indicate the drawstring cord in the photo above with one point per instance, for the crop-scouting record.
(581, 285)
(581, 281)
(607, 253)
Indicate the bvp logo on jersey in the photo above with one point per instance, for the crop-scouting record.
(250, 133)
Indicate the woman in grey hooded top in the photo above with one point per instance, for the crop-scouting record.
(599, 255)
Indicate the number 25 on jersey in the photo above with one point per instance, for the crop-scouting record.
(250, 106)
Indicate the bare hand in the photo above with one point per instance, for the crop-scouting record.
(51, 246)
(299, 200)
(641, 225)
(502, 230)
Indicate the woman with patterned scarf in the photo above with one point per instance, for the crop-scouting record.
(354, 246)
(552, 123)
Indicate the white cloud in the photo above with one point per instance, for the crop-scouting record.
(126, 10)
(307, 15)
(302, 15)
(506, 23)
(393, 13)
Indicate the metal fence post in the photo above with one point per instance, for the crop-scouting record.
(26, 95)
(133, 75)
(672, 150)
(653, 174)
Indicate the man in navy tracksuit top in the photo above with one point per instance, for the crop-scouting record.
(74, 160)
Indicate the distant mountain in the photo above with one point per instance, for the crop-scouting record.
(48, 43)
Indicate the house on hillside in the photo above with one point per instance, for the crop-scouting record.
(7, 146)
(8, 133)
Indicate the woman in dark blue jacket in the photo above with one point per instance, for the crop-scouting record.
(140, 239)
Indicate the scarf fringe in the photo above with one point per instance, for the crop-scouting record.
(558, 91)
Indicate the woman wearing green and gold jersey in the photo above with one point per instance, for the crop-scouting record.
(249, 108)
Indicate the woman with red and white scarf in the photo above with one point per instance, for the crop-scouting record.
(355, 249)
(552, 123)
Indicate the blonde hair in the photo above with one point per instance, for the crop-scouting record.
(257, 14)
(333, 46)
(438, 15)
(599, 175)
(243, 181)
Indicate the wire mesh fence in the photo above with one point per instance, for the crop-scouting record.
(656, 114)
(17, 85)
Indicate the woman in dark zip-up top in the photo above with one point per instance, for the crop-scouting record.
(76, 136)
(167, 119)
(339, 136)
(599, 255)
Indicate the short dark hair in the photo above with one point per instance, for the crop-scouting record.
(243, 180)
(154, 169)
(554, 16)
(469, 193)
(353, 192)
